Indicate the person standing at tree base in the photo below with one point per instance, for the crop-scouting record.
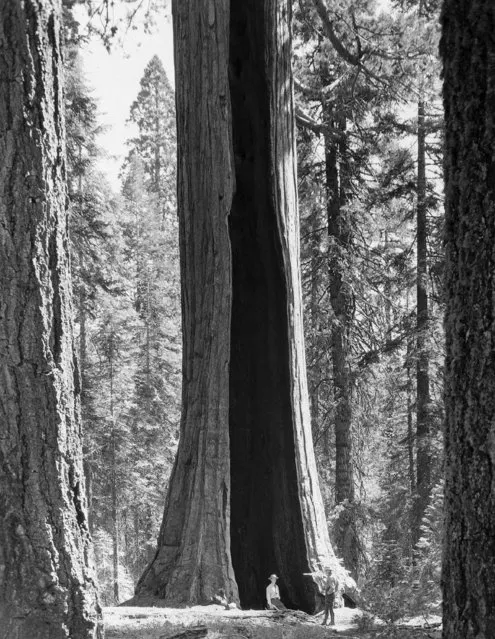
(330, 588)
(328, 585)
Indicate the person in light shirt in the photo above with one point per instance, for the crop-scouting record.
(273, 595)
(330, 590)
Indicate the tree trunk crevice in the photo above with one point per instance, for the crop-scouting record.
(266, 522)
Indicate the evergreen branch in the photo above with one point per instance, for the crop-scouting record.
(337, 44)
(373, 355)
(319, 94)
(306, 121)
(356, 34)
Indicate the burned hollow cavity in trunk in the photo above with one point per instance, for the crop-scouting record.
(267, 533)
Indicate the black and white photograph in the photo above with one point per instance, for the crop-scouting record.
(247, 319)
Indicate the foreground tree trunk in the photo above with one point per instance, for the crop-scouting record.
(243, 500)
(468, 52)
(47, 588)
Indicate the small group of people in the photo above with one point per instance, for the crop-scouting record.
(328, 586)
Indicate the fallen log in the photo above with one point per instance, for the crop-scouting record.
(188, 633)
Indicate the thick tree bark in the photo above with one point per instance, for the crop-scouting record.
(193, 557)
(244, 494)
(47, 587)
(468, 52)
(342, 303)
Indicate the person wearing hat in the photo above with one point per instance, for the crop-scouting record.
(273, 595)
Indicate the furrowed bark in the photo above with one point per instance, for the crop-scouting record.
(193, 558)
(468, 52)
(47, 587)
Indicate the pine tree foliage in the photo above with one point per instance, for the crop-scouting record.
(153, 112)
(125, 269)
(358, 75)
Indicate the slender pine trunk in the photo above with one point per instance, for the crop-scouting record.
(423, 426)
(113, 484)
(411, 440)
(342, 303)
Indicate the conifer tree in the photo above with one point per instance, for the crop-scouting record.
(355, 79)
(153, 111)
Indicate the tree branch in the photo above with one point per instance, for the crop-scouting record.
(305, 120)
(337, 44)
(319, 94)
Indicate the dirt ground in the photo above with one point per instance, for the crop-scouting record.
(163, 623)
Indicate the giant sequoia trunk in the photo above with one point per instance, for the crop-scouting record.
(243, 500)
(47, 587)
(468, 51)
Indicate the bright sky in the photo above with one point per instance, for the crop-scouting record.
(115, 79)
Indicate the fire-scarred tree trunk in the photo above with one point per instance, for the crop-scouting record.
(243, 500)
(47, 587)
(468, 52)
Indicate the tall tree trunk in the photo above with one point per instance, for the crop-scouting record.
(83, 366)
(149, 392)
(468, 52)
(47, 587)
(423, 459)
(193, 557)
(113, 480)
(342, 302)
(115, 527)
(243, 494)
(83, 359)
(314, 379)
(137, 547)
(411, 439)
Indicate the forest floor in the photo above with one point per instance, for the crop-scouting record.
(214, 622)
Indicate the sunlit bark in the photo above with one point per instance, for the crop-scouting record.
(47, 588)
